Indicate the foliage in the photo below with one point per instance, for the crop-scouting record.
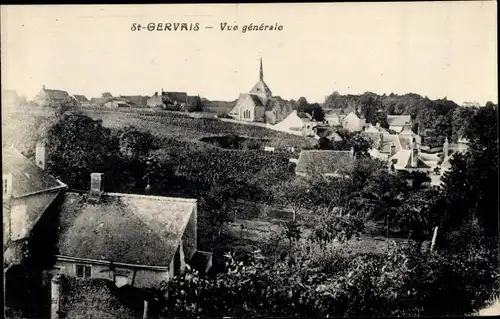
(135, 143)
(79, 146)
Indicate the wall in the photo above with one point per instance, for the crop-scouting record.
(189, 238)
(144, 278)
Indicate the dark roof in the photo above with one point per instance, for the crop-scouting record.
(27, 178)
(55, 94)
(304, 115)
(256, 100)
(261, 87)
(126, 228)
(81, 98)
(176, 96)
(138, 100)
(324, 162)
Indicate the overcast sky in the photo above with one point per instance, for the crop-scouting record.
(436, 49)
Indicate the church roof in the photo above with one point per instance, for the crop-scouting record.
(261, 87)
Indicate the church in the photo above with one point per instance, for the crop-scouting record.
(259, 105)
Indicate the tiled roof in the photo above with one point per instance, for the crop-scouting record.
(324, 162)
(55, 94)
(176, 96)
(124, 228)
(398, 120)
(27, 178)
(403, 160)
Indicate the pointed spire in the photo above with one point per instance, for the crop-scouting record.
(261, 77)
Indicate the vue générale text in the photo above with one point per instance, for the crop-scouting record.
(196, 26)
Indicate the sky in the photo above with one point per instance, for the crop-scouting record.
(435, 49)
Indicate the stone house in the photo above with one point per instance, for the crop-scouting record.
(139, 240)
(52, 98)
(30, 205)
(130, 239)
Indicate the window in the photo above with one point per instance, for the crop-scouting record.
(83, 271)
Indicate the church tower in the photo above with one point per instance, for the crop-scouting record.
(261, 76)
(261, 90)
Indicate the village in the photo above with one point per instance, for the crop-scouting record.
(144, 239)
(247, 160)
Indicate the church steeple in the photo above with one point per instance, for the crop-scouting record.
(261, 75)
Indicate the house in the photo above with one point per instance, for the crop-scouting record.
(353, 123)
(333, 117)
(293, 124)
(251, 107)
(135, 100)
(103, 235)
(30, 200)
(397, 122)
(384, 145)
(28, 191)
(81, 100)
(115, 103)
(155, 101)
(52, 98)
(325, 163)
(408, 159)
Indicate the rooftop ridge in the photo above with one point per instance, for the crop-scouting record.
(164, 198)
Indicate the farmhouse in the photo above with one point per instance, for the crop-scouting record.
(325, 163)
(397, 122)
(408, 159)
(103, 235)
(94, 234)
(52, 98)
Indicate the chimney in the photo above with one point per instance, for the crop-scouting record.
(43, 87)
(96, 187)
(393, 150)
(6, 186)
(41, 155)
(414, 157)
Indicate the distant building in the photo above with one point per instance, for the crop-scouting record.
(334, 117)
(135, 100)
(81, 100)
(353, 123)
(325, 163)
(259, 105)
(408, 159)
(397, 122)
(155, 101)
(52, 98)
(115, 104)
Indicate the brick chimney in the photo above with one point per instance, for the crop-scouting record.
(96, 186)
(393, 150)
(41, 155)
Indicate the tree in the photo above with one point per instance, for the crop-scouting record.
(135, 143)
(471, 186)
(361, 144)
(325, 143)
(78, 146)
